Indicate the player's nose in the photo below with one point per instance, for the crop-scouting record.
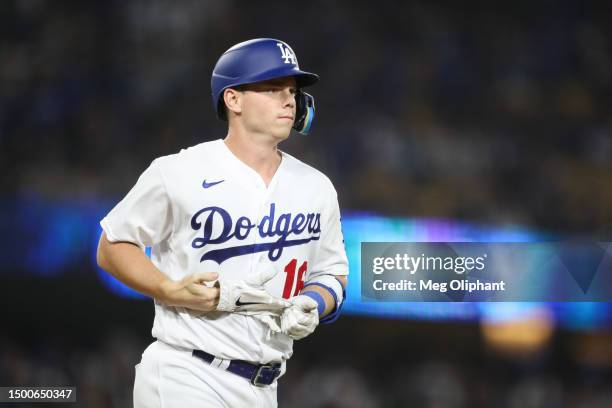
(288, 97)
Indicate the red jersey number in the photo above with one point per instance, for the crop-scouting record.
(290, 271)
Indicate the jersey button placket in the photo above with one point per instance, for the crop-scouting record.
(258, 209)
(264, 209)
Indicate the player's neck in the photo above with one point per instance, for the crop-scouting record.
(262, 156)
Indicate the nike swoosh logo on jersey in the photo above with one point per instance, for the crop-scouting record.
(208, 185)
(239, 303)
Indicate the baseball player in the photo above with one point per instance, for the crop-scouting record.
(247, 253)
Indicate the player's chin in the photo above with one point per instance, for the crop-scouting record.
(282, 132)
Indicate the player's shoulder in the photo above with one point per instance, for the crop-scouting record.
(197, 153)
(304, 172)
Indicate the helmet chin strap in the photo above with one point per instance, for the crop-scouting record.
(304, 112)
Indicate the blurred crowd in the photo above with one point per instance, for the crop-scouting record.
(397, 375)
(498, 113)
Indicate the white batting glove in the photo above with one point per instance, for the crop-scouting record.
(301, 318)
(270, 319)
(249, 296)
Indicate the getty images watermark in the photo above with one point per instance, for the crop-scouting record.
(413, 264)
(475, 272)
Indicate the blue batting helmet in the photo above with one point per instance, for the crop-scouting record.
(259, 60)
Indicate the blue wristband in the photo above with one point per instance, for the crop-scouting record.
(317, 298)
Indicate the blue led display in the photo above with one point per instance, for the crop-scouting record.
(46, 239)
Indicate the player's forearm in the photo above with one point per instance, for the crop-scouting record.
(129, 264)
(330, 302)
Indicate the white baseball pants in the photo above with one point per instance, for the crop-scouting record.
(171, 377)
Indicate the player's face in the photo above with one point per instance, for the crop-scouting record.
(269, 107)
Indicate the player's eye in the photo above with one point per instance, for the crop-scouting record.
(274, 90)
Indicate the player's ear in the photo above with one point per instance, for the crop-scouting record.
(232, 100)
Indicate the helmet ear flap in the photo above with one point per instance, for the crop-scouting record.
(304, 112)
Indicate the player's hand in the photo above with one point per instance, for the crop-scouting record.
(249, 296)
(301, 318)
(191, 292)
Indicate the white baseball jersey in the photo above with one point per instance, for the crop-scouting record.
(204, 210)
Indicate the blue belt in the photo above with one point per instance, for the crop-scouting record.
(257, 374)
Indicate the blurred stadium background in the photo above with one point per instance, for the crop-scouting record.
(435, 120)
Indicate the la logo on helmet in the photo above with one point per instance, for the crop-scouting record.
(287, 54)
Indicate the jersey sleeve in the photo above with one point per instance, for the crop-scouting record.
(331, 255)
(144, 216)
